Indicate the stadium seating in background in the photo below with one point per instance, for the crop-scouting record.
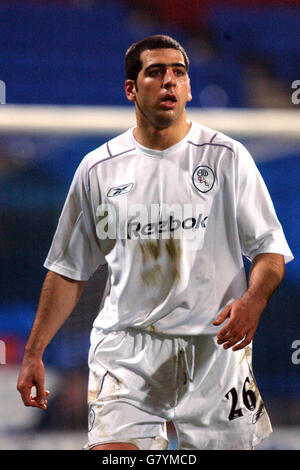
(63, 53)
(272, 34)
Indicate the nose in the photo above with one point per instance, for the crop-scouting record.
(169, 78)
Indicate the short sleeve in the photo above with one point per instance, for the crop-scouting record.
(75, 250)
(259, 228)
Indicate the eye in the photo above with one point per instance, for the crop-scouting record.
(155, 73)
(179, 72)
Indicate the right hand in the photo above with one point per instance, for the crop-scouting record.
(32, 374)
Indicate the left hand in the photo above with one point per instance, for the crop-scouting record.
(244, 315)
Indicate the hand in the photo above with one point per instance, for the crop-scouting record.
(244, 315)
(32, 374)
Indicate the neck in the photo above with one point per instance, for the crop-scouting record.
(156, 138)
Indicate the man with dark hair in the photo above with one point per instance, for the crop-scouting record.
(171, 206)
(133, 62)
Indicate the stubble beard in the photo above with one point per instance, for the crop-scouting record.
(158, 121)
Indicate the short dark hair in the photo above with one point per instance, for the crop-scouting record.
(133, 63)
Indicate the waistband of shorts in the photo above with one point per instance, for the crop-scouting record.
(151, 332)
(184, 345)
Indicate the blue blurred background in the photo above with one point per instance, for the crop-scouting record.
(243, 55)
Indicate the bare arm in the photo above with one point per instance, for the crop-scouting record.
(58, 298)
(266, 273)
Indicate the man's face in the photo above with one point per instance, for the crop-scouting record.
(163, 87)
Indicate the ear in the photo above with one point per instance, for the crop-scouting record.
(190, 92)
(130, 90)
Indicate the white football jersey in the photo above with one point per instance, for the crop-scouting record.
(173, 227)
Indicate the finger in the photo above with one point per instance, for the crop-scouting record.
(225, 337)
(233, 341)
(229, 330)
(222, 316)
(31, 402)
(47, 393)
(247, 340)
(38, 404)
(25, 394)
(39, 400)
(226, 333)
(40, 393)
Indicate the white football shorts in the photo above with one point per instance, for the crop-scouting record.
(139, 381)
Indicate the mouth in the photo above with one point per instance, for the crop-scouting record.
(168, 101)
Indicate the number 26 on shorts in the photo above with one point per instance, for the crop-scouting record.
(248, 397)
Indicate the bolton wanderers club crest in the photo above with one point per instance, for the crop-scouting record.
(203, 179)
